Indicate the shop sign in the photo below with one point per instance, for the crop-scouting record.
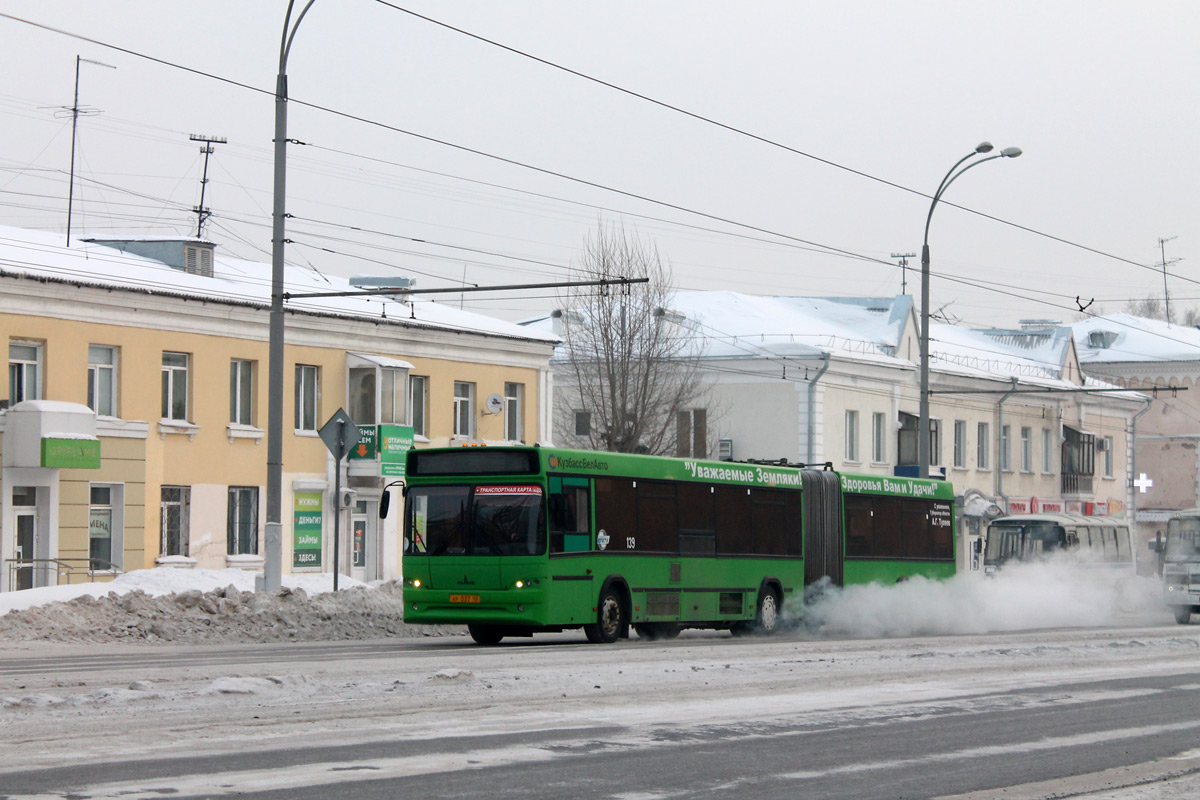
(394, 443)
(71, 453)
(364, 450)
(1052, 506)
(306, 530)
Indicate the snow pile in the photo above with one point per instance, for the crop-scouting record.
(185, 606)
(1027, 596)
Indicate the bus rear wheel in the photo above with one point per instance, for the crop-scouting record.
(766, 618)
(610, 618)
(1183, 614)
(485, 634)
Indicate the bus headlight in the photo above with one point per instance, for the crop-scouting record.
(519, 584)
(414, 583)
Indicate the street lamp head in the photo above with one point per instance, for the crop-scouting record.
(1010, 152)
(984, 147)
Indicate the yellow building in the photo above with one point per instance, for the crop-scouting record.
(134, 428)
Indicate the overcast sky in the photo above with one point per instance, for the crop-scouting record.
(878, 98)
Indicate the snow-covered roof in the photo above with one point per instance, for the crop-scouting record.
(1038, 356)
(1117, 338)
(41, 254)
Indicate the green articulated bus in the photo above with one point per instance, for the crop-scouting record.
(513, 541)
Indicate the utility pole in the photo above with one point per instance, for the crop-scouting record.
(904, 257)
(203, 213)
(1163, 251)
(75, 112)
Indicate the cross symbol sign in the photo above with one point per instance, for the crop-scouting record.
(1143, 483)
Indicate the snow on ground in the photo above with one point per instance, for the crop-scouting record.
(197, 605)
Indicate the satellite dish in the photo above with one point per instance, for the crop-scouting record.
(494, 403)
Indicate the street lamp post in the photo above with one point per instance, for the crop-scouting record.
(923, 453)
(273, 544)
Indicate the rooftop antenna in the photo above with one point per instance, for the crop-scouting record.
(75, 112)
(1163, 251)
(203, 213)
(904, 257)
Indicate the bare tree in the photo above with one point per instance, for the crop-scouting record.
(1153, 307)
(635, 370)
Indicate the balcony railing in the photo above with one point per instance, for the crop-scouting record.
(1074, 483)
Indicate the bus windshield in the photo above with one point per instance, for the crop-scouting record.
(507, 520)
(1183, 540)
(1022, 542)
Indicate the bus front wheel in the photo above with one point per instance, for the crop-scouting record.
(485, 634)
(610, 618)
(1183, 614)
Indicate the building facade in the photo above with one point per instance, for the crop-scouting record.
(134, 428)
(1015, 424)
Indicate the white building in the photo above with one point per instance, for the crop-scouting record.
(1015, 425)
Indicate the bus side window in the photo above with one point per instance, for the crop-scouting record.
(570, 516)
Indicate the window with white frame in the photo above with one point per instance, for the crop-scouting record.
(514, 411)
(308, 393)
(419, 404)
(1047, 451)
(242, 517)
(241, 392)
(852, 436)
(983, 447)
(391, 396)
(24, 371)
(360, 388)
(175, 512)
(879, 437)
(464, 409)
(1005, 438)
(908, 441)
(1026, 449)
(1108, 456)
(102, 380)
(106, 522)
(175, 367)
(960, 443)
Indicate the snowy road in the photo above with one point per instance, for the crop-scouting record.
(1037, 714)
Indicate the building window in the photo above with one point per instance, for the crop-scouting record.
(908, 436)
(391, 396)
(691, 433)
(1005, 436)
(878, 437)
(308, 394)
(1026, 449)
(583, 423)
(419, 402)
(464, 409)
(514, 412)
(241, 392)
(1107, 446)
(175, 386)
(105, 525)
(24, 371)
(852, 436)
(175, 509)
(983, 446)
(102, 380)
(360, 386)
(242, 530)
(960, 443)
(1047, 452)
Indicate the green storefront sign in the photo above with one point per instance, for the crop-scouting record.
(71, 453)
(394, 443)
(365, 449)
(306, 530)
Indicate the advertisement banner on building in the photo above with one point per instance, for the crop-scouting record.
(306, 531)
(1018, 505)
(394, 443)
(364, 448)
(1052, 506)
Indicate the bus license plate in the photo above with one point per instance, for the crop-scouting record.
(464, 598)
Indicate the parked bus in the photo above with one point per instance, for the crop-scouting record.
(517, 540)
(1091, 542)
(1180, 556)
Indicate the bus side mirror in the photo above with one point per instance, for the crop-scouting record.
(977, 546)
(385, 502)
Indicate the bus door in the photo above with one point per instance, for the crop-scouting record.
(822, 499)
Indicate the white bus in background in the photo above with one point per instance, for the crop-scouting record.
(1179, 557)
(1101, 543)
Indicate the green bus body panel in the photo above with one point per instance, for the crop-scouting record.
(562, 589)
